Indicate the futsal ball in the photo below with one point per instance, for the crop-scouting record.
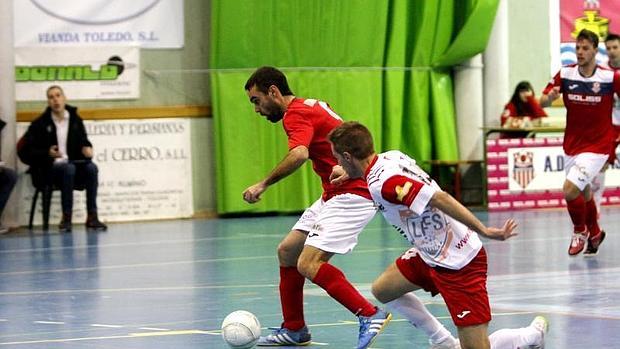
(241, 329)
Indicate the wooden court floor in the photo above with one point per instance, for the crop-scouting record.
(169, 284)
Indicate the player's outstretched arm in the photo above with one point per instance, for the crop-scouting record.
(450, 206)
(291, 162)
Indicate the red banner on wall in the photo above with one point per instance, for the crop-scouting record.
(599, 16)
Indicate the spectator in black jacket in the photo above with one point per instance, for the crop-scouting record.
(8, 177)
(60, 154)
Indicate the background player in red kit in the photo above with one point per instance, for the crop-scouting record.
(447, 257)
(325, 228)
(612, 44)
(588, 138)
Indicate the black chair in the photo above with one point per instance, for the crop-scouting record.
(45, 188)
(46, 191)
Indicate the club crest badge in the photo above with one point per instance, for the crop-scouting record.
(523, 168)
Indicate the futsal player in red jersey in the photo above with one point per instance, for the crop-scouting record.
(587, 91)
(331, 225)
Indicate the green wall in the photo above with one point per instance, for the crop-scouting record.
(529, 42)
(529, 59)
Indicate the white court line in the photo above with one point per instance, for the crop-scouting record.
(220, 260)
(138, 289)
(153, 329)
(239, 236)
(213, 332)
(49, 322)
(107, 326)
(142, 243)
(491, 278)
(131, 335)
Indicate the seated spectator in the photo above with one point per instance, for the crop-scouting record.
(523, 111)
(8, 178)
(59, 153)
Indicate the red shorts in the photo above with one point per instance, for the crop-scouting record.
(464, 291)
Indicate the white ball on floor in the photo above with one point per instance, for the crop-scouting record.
(241, 329)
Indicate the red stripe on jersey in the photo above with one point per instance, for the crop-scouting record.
(401, 190)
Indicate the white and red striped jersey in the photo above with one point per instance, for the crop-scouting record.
(402, 191)
(588, 102)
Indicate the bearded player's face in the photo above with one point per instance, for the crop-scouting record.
(265, 105)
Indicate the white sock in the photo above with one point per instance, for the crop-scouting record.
(410, 306)
(515, 338)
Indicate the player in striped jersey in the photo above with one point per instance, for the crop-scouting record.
(447, 257)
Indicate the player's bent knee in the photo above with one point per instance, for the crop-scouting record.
(286, 254)
(379, 292)
(474, 337)
(570, 190)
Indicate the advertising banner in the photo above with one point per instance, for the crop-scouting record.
(143, 23)
(529, 173)
(145, 172)
(82, 72)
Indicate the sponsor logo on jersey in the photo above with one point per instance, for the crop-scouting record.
(573, 86)
(523, 168)
(401, 192)
(317, 227)
(582, 98)
(410, 253)
(459, 245)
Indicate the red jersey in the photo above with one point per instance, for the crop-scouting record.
(307, 122)
(588, 101)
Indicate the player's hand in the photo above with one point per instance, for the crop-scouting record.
(554, 93)
(338, 175)
(252, 194)
(503, 233)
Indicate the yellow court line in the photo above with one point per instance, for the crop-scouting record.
(131, 335)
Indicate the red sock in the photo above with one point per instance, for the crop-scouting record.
(577, 211)
(592, 218)
(332, 280)
(292, 298)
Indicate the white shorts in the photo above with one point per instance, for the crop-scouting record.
(333, 226)
(582, 168)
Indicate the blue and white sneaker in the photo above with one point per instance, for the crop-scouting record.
(285, 337)
(371, 327)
